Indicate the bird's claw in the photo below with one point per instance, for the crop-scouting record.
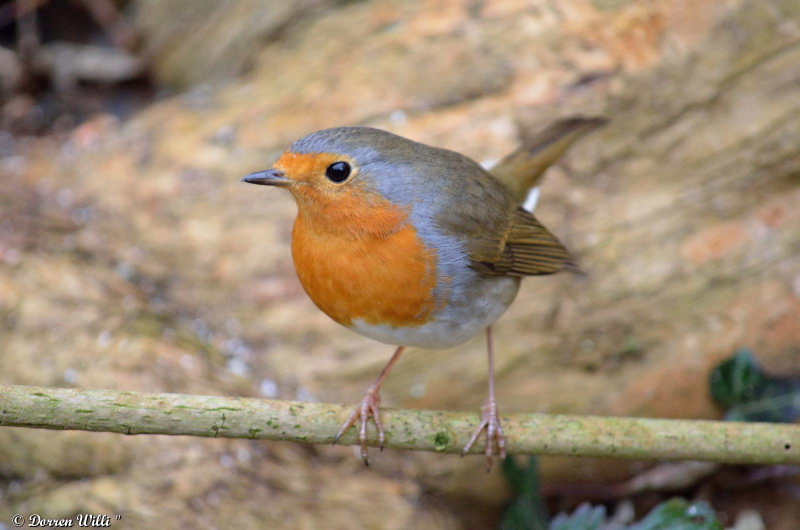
(490, 422)
(369, 406)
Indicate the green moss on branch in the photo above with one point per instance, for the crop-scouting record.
(426, 430)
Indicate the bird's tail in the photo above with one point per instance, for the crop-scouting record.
(521, 170)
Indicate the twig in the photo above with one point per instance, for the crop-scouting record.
(670, 476)
(317, 423)
(106, 14)
(12, 11)
(27, 29)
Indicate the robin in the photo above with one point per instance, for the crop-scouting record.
(413, 245)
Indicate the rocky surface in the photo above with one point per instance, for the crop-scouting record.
(215, 39)
(134, 259)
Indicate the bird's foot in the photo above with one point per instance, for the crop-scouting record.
(369, 406)
(495, 439)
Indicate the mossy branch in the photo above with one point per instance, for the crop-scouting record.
(425, 430)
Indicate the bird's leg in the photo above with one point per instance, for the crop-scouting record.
(490, 417)
(369, 407)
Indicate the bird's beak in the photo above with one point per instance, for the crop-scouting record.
(268, 177)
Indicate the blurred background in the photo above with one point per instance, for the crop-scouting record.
(132, 258)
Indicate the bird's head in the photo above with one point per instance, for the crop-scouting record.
(348, 175)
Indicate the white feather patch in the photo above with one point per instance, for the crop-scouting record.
(532, 200)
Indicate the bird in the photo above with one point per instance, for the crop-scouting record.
(418, 246)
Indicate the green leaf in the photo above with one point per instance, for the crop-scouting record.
(586, 517)
(526, 510)
(736, 380)
(749, 394)
(675, 514)
(679, 514)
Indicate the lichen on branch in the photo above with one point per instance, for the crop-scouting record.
(425, 430)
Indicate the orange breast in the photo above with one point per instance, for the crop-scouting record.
(364, 260)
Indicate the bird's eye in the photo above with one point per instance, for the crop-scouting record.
(338, 171)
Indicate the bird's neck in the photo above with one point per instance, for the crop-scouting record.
(351, 216)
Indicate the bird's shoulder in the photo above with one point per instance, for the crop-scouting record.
(500, 236)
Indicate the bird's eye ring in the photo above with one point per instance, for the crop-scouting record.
(338, 171)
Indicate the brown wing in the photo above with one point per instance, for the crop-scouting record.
(527, 249)
(518, 244)
(503, 239)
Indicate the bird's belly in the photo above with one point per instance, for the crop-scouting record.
(378, 281)
(470, 309)
(393, 289)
